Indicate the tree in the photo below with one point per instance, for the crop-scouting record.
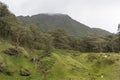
(7, 21)
(48, 43)
(118, 28)
(90, 43)
(119, 36)
(45, 65)
(60, 39)
(22, 36)
(36, 35)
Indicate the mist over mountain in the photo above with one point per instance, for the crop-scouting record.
(60, 21)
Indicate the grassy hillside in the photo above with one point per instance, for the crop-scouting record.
(11, 65)
(68, 65)
(60, 21)
(28, 54)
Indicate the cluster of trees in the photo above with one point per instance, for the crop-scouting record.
(31, 37)
(91, 43)
(28, 36)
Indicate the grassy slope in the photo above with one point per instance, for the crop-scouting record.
(69, 65)
(14, 63)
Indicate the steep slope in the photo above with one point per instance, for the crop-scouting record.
(60, 21)
(100, 31)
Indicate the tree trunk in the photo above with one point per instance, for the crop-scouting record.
(17, 40)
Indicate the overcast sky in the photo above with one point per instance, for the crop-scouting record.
(103, 14)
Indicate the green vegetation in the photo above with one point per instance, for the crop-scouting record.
(62, 64)
(46, 22)
(27, 53)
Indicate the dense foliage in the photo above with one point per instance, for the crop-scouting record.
(30, 36)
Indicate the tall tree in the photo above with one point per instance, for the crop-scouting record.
(7, 21)
(60, 39)
(119, 36)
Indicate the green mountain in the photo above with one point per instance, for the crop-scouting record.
(60, 21)
(28, 54)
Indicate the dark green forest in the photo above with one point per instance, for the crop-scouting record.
(40, 45)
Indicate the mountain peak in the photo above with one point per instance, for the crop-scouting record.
(50, 21)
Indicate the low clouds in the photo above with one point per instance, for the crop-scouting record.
(30, 7)
(95, 13)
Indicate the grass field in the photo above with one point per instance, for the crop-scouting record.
(68, 65)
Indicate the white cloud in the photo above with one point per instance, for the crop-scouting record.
(104, 14)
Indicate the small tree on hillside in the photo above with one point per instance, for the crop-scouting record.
(45, 66)
(60, 39)
(48, 44)
(7, 21)
(22, 36)
(119, 36)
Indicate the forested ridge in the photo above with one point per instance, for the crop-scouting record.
(29, 53)
(46, 22)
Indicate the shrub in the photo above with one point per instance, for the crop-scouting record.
(1, 64)
(8, 69)
(24, 72)
(23, 52)
(103, 62)
(92, 57)
(12, 51)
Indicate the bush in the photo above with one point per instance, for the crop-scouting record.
(103, 62)
(1, 64)
(24, 72)
(8, 69)
(108, 61)
(12, 51)
(23, 52)
(1, 67)
(92, 57)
